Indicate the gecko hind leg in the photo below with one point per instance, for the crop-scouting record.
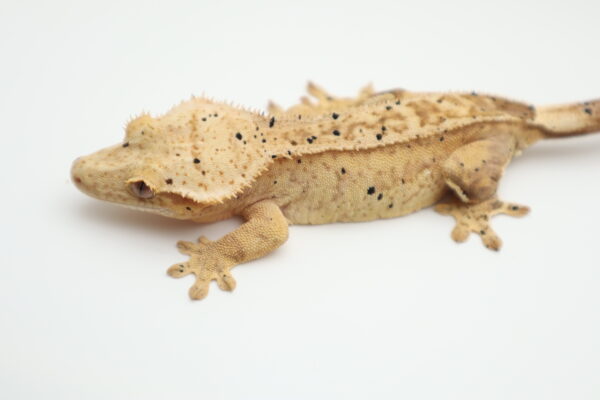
(476, 218)
(473, 172)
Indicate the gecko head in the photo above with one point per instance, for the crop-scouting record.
(198, 155)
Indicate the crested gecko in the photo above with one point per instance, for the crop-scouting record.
(378, 155)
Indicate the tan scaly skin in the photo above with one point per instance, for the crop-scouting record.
(379, 155)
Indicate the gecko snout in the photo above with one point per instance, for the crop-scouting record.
(85, 177)
(76, 175)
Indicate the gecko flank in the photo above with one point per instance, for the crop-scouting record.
(379, 155)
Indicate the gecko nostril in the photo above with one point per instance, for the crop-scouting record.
(141, 190)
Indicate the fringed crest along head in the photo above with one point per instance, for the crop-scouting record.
(204, 151)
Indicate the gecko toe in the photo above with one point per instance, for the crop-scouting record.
(179, 270)
(204, 240)
(514, 210)
(225, 281)
(186, 247)
(199, 290)
(460, 233)
(490, 239)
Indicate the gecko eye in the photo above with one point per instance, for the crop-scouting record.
(141, 190)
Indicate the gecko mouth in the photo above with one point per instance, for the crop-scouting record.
(152, 209)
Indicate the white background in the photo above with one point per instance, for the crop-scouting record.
(387, 309)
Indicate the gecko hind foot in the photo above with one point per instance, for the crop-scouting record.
(476, 218)
(206, 264)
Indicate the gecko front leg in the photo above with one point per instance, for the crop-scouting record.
(264, 230)
(473, 172)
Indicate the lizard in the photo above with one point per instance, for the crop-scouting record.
(378, 155)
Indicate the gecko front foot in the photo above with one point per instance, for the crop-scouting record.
(207, 264)
(476, 218)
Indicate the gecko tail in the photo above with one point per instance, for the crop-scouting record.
(569, 119)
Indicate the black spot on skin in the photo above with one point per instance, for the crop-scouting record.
(476, 169)
(588, 110)
(388, 108)
(273, 156)
(169, 181)
(336, 132)
(196, 161)
(216, 115)
(314, 137)
(439, 100)
(473, 93)
(379, 136)
(299, 161)
(397, 102)
(289, 153)
(343, 171)
(371, 190)
(204, 119)
(309, 140)
(514, 208)
(272, 122)
(245, 142)
(335, 115)
(238, 136)
(390, 205)
(441, 139)
(274, 182)
(299, 116)
(126, 144)
(177, 154)
(383, 128)
(531, 108)
(264, 140)
(188, 208)
(462, 164)
(142, 132)
(380, 196)
(482, 232)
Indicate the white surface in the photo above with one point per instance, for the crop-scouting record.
(388, 309)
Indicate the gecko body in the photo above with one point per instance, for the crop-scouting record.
(379, 155)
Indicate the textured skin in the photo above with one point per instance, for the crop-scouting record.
(379, 155)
